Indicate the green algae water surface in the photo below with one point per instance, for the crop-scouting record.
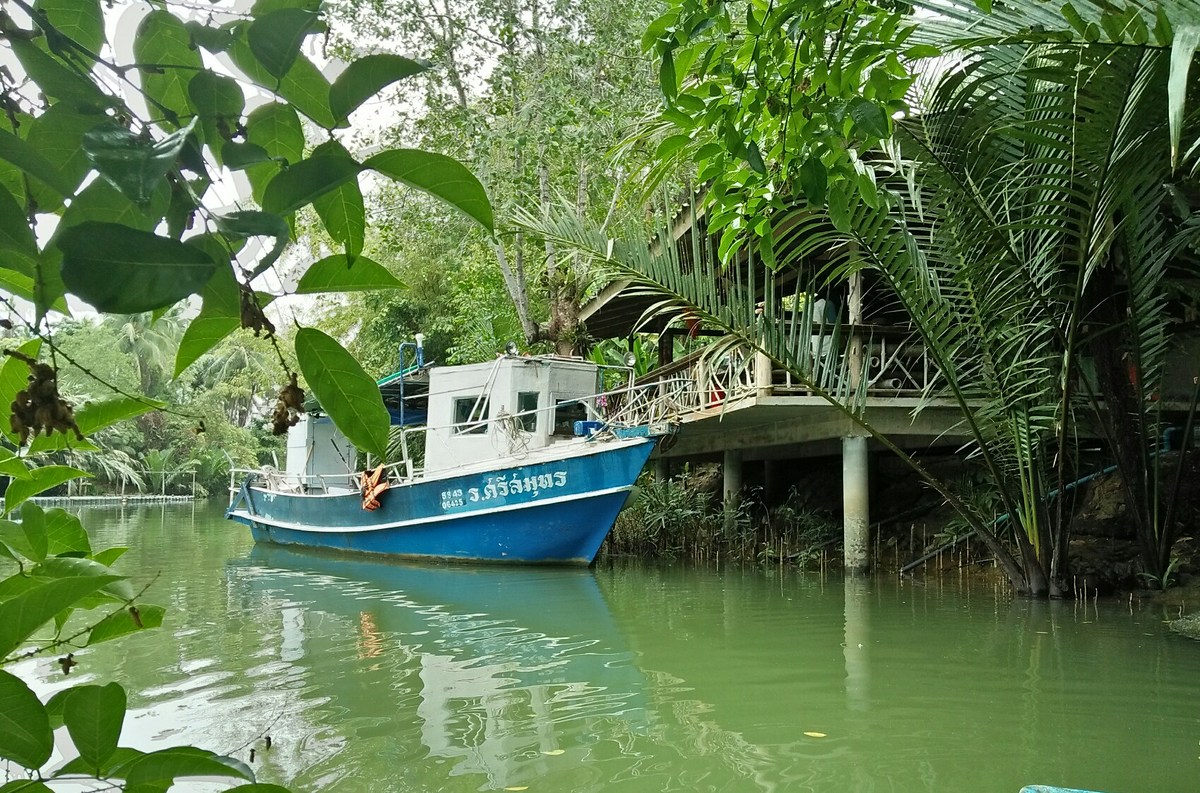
(376, 676)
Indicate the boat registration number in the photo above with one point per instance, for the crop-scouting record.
(502, 487)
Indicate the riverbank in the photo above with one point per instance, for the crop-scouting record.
(913, 534)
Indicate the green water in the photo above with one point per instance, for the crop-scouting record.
(377, 677)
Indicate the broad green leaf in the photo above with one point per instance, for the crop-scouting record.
(239, 156)
(56, 705)
(121, 759)
(838, 206)
(219, 316)
(216, 95)
(124, 271)
(18, 248)
(11, 465)
(122, 622)
(213, 39)
(25, 287)
(25, 786)
(55, 80)
(670, 145)
(667, 79)
(30, 161)
(12, 177)
(346, 392)
(95, 416)
(219, 102)
(337, 274)
(304, 181)
(276, 129)
(342, 209)
(164, 43)
(98, 201)
(366, 77)
(65, 534)
(40, 480)
(80, 20)
(25, 736)
(33, 522)
(27, 538)
(869, 118)
(275, 38)
(155, 771)
(257, 787)
(24, 613)
(304, 87)
(58, 136)
(814, 180)
(250, 223)
(1071, 15)
(77, 567)
(919, 51)
(14, 376)
(93, 716)
(264, 7)
(134, 165)
(1183, 51)
(438, 175)
(754, 157)
(109, 556)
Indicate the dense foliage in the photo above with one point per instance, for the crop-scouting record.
(118, 164)
(1031, 210)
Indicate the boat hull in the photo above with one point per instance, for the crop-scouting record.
(554, 510)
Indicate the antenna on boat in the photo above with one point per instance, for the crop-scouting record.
(420, 340)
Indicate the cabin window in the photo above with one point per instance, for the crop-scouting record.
(470, 415)
(566, 413)
(527, 404)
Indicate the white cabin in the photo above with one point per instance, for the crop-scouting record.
(488, 410)
(319, 456)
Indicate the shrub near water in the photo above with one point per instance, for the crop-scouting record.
(680, 518)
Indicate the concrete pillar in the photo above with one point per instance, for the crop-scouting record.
(731, 470)
(731, 490)
(763, 367)
(662, 469)
(856, 497)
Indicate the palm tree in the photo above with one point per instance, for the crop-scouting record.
(241, 369)
(152, 341)
(1024, 229)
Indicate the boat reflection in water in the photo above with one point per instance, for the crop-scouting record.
(501, 672)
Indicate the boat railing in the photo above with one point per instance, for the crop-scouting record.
(272, 478)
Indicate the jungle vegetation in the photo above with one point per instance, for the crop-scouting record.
(1025, 191)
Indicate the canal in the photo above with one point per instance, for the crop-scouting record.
(382, 677)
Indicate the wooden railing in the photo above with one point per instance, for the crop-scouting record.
(894, 365)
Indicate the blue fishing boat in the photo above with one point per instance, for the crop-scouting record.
(516, 460)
